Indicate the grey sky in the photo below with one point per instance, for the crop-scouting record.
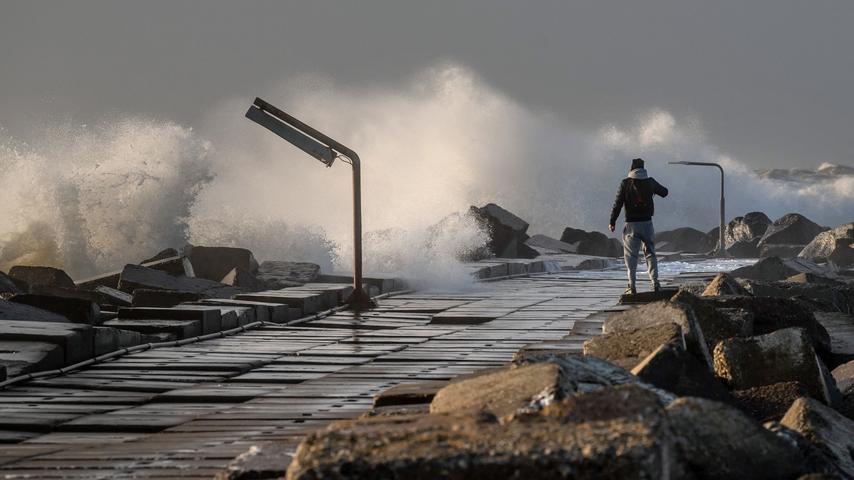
(770, 80)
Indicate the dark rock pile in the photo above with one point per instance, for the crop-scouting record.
(730, 384)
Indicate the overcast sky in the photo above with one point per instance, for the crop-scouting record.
(769, 80)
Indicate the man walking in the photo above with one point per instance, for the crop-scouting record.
(635, 193)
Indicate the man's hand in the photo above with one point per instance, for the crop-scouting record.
(611, 227)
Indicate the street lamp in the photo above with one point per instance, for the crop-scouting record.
(326, 150)
(721, 246)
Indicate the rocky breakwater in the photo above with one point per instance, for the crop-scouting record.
(48, 320)
(727, 384)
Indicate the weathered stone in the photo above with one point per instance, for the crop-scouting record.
(685, 239)
(627, 348)
(103, 296)
(718, 441)
(840, 328)
(772, 314)
(769, 402)
(503, 393)
(76, 340)
(609, 403)
(717, 322)
(647, 297)
(76, 310)
(748, 228)
(780, 251)
(506, 231)
(723, 284)
(19, 311)
(744, 249)
(453, 447)
(282, 274)
(844, 376)
(137, 277)
(592, 243)
(663, 312)
(108, 339)
(238, 277)
(545, 244)
(264, 460)
(769, 269)
(33, 275)
(145, 297)
(783, 356)
(214, 263)
(790, 229)
(828, 431)
(672, 368)
(22, 356)
(836, 243)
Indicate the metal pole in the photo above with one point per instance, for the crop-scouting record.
(722, 228)
(359, 299)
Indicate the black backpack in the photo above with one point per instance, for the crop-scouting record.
(638, 194)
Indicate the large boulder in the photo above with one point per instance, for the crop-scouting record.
(135, 277)
(629, 347)
(827, 431)
(282, 274)
(744, 249)
(771, 269)
(717, 441)
(836, 245)
(717, 322)
(507, 232)
(471, 447)
(77, 310)
(748, 228)
(790, 229)
(672, 368)
(782, 356)
(546, 244)
(19, 311)
(214, 263)
(769, 402)
(660, 312)
(844, 376)
(685, 239)
(723, 284)
(46, 276)
(592, 243)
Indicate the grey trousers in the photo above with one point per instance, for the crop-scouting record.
(635, 236)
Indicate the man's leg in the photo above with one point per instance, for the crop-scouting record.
(631, 246)
(648, 238)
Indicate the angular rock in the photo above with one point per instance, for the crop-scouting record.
(828, 431)
(409, 394)
(717, 441)
(263, 460)
(790, 229)
(686, 239)
(19, 311)
(840, 328)
(453, 447)
(76, 340)
(647, 297)
(781, 251)
(76, 310)
(744, 249)
(672, 368)
(627, 348)
(214, 263)
(836, 242)
(145, 297)
(137, 277)
(723, 284)
(748, 228)
(769, 402)
(768, 269)
(504, 393)
(718, 322)
(507, 232)
(282, 274)
(783, 356)
(844, 376)
(21, 356)
(592, 243)
(162, 255)
(609, 403)
(100, 295)
(657, 313)
(33, 275)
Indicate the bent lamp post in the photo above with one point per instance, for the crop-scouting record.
(326, 150)
(721, 245)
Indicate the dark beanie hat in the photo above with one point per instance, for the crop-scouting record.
(636, 163)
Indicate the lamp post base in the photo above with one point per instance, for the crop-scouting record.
(359, 300)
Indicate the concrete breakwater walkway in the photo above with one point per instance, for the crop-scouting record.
(186, 412)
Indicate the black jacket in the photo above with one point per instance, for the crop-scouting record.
(636, 193)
